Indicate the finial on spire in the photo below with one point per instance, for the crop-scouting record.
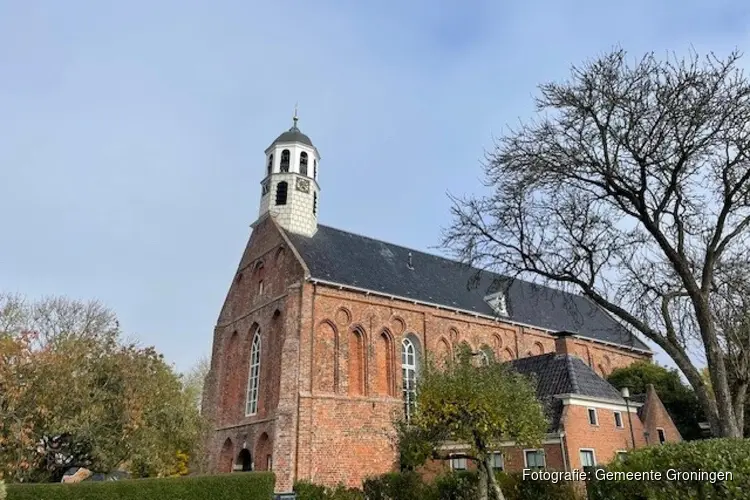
(295, 118)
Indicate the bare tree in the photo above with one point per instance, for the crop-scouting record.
(194, 380)
(632, 187)
(55, 319)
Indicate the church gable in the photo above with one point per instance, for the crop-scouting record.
(268, 266)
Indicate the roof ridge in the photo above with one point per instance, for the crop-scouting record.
(572, 373)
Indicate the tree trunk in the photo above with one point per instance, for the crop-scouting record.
(492, 481)
(482, 493)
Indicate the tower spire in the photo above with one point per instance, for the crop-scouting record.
(295, 118)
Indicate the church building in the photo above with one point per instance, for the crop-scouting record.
(319, 343)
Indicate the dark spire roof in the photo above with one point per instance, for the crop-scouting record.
(294, 134)
(348, 259)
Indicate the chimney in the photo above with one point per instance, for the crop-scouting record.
(564, 343)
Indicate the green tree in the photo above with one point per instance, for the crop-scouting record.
(479, 406)
(679, 399)
(118, 405)
(630, 187)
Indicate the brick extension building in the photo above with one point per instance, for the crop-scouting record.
(322, 333)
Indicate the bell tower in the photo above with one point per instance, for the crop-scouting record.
(289, 189)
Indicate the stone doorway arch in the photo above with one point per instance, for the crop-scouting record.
(244, 460)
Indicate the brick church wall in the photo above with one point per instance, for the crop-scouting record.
(331, 367)
(346, 419)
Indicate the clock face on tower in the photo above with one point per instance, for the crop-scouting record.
(303, 185)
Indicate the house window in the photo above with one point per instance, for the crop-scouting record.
(497, 461)
(251, 407)
(303, 163)
(593, 420)
(270, 164)
(662, 436)
(534, 459)
(281, 189)
(587, 458)
(458, 464)
(618, 420)
(409, 373)
(284, 167)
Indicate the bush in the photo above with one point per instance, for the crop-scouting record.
(2, 490)
(713, 455)
(515, 487)
(245, 486)
(398, 486)
(309, 491)
(457, 486)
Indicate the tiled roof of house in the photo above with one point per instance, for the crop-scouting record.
(565, 374)
(557, 374)
(357, 261)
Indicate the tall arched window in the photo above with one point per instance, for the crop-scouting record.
(315, 169)
(270, 164)
(281, 189)
(315, 203)
(251, 408)
(284, 166)
(409, 373)
(303, 163)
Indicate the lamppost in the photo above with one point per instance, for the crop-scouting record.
(626, 397)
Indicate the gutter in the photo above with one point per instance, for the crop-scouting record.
(496, 319)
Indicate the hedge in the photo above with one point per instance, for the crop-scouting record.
(451, 486)
(245, 486)
(712, 456)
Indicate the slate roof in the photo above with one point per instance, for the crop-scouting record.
(293, 135)
(353, 260)
(557, 374)
(565, 374)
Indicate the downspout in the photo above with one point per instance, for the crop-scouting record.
(564, 452)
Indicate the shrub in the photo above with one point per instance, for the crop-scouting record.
(713, 455)
(515, 487)
(457, 486)
(398, 486)
(245, 486)
(309, 491)
(2, 490)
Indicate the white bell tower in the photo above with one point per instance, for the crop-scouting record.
(289, 190)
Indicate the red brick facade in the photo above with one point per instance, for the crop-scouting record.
(330, 371)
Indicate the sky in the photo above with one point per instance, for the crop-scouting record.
(132, 133)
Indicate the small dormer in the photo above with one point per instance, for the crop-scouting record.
(498, 303)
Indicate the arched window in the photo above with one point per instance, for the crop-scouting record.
(284, 166)
(409, 373)
(270, 164)
(254, 377)
(486, 355)
(281, 189)
(303, 163)
(315, 203)
(315, 169)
